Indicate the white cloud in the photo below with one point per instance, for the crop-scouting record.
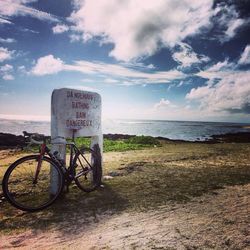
(5, 54)
(29, 30)
(163, 104)
(6, 68)
(138, 27)
(9, 8)
(199, 93)
(22, 69)
(4, 21)
(51, 65)
(181, 83)
(220, 66)
(137, 65)
(60, 28)
(245, 56)
(8, 77)
(230, 93)
(184, 82)
(47, 65)
(233, 26)
(218, 70)
(228, 21)
(5, 72)
(7, 40)
(134, 76)
(74, 37)
(111, 80)
(187, 57)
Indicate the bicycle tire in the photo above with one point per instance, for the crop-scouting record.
(21, 191)
(87, 172)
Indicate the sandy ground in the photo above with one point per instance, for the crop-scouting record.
(219, 219)
(213, 221)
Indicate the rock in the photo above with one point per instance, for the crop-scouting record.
(113, 174)
(241, 137)
(9, 140)
(107, 177)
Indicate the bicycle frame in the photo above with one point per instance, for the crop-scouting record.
(42, 152)
(68, 171)
(73, 151)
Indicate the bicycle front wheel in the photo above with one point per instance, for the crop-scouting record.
(27, 188)
(87, 169)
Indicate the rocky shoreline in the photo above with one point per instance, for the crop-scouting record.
(12, 141)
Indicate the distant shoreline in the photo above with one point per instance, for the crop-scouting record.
(247, 126)
(238, 137)
(169, 130)
(8, 141)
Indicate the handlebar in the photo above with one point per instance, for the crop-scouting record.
(35, 138)
(34, 141)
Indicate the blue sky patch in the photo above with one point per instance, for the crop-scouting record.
(170, 60)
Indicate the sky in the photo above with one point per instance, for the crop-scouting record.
(161, 59)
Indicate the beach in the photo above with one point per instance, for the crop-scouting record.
(179, 195)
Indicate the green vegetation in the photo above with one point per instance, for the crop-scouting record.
(143, 140)
(133, 143)
(119, 145)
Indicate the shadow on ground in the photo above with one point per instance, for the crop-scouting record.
(71, 211)
(142, 184)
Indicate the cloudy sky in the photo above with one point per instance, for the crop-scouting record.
(161, 59)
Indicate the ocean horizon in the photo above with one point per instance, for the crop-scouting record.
(177, 130)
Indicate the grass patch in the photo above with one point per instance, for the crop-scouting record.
(172, 173)
(134, 143)
(120, 145)
(143, 140)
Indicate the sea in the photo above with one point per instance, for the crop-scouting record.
(177, 130)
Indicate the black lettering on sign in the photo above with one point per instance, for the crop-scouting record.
(86, 96)
(80, 115)
(78, 123)
(69, 94)
(80, 105)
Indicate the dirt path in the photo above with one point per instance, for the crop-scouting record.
(213, 221)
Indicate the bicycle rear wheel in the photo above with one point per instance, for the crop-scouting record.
(21, 189)
(87, 169)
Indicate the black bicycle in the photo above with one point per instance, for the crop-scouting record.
(34, 182)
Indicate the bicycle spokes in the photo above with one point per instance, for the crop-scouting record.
(84, 174)
(27, 184)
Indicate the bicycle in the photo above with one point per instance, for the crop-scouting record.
(28, 182)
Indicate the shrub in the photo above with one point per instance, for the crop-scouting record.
(144, 140)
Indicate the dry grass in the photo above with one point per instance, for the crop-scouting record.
(146, 180)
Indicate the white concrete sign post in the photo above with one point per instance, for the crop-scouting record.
(74, 110)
